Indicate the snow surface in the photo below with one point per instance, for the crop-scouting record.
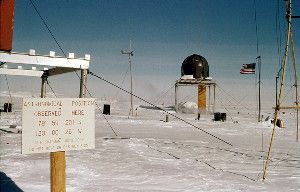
(152, 155)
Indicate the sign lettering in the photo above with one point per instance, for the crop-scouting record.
(57, 124)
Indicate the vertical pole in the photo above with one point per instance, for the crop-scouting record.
(58, 171)
(209, 104)
(131, 99)
(283, 67)
(83, 80)
(130, 53)
(214, 102)
(43, 87)
(201, 97)
(296, 88)
(176, 86)
(276, 102)
(57, 159)
(259, 83)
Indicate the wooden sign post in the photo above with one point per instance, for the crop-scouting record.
(58, 171)
(57, 159)
(50, 125)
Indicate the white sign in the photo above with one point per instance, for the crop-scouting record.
(57, 124)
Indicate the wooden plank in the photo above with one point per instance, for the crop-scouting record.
(22, 72)
(27, 59)
(60, 70)
(288, 107)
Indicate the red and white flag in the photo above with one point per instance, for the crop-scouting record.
(248, 68)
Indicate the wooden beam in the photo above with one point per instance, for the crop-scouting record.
(60, 70)
(22, 72)
(45, 60)
(288, 107)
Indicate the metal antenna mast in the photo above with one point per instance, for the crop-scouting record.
(289, 41)
(130, 54)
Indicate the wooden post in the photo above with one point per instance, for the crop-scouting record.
(57, 159)
(214, 105)
(201, 97)
(209, 104)
(58, 171)
(43, 87)
(83, 80)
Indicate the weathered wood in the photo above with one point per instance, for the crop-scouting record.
(288, 107)
(44, 60)
(57, 159)
(201, 97)
(58, 171)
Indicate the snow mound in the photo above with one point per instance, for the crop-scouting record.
(188, 107)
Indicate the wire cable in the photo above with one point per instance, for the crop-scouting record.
(61, 49)
(197, 160)
(210, 134)
(8, 88)
(51, 87)
(162, 96)
(103, 115)
(47, 27)
(85, 87)
(123, 80)
(226, 110)
(10, 97)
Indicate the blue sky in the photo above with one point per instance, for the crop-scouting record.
(163, 34)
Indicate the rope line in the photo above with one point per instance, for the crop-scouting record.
(51, 87)
(210, 134)
(10, 97)
(47, 27)
(233, 98)
(226, 109)
(103, 114)
(162, 96)
(90, 94)
(123, 80)
(201, 161)
(61, 49)
(8, 88)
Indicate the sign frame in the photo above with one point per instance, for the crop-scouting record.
(57, 124)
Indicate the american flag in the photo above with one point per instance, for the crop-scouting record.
(248, 68)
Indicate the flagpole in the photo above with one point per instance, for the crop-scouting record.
(259, 83)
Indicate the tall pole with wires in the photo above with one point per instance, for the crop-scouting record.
(259, 89)
(258, 58)
(296, 82)
(130, 54)
(289, 41)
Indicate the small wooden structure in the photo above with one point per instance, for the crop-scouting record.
(202, 85)
(43, 66)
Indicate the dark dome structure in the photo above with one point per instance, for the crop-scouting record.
(195, 65)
